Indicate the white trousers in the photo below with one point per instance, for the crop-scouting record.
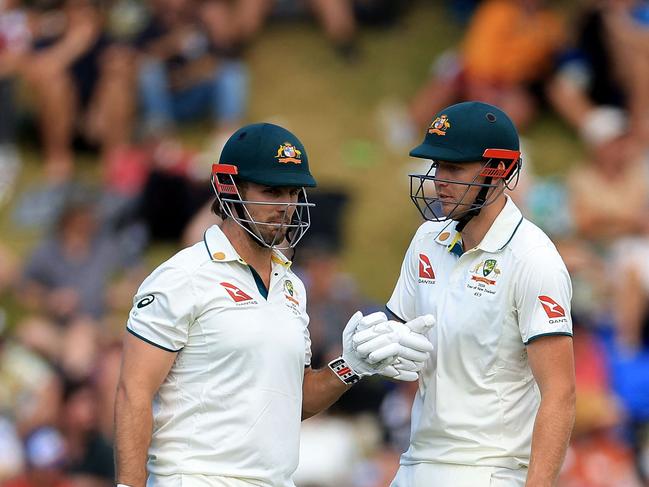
(181, 480)
(448, 475)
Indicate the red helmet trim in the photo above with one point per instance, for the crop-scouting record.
(224, 169)
(503, 155)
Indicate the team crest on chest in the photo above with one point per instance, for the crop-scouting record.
(290, 293)
(484, 277)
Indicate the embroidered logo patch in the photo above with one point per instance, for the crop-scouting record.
(235, 293)
(288, 153)
(551, 307)
(425, 268)
(439, 126)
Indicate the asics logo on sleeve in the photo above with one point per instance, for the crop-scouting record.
(551, 307)
(145, 301)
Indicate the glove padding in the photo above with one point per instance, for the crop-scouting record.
(399, 349)
(358, 364)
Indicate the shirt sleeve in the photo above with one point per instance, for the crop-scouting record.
(403, 299)
(542, 294)
(163, 309)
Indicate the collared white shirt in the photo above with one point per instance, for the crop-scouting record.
(231, 404)
(477, 398)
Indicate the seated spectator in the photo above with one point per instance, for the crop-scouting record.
(89, 459)
(69, 272)
(81, 82)
(187, 67)
(14, 44)
(504, 58)
(609, 194)
(607, 68)
(599, 414)
(336, 17)
(29, 387)
(66, 280)
(610, 207)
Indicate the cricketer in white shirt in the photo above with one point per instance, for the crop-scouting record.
(216, 374)
(477, 398)
(231, 403)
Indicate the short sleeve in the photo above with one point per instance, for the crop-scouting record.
(163, 309)
(402, 301)
(542, 295)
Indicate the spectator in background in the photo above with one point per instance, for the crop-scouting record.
(45, 454)
(188, 67)
(81, 82)
(66, 280)
(504, 59)
(14, 43)
(336, 17)
(596, 446)
(610, 208)
(610, 192)
(89, 459)
(608, 68)
(29, 387)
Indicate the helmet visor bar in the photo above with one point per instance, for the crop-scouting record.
(423, 194)
(288, 230)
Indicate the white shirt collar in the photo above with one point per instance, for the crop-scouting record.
(220, 249)
(498, 236)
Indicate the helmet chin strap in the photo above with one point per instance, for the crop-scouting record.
(479, 202)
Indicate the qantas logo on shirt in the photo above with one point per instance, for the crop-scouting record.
(235, 293)
(425, 269)
(551, 307)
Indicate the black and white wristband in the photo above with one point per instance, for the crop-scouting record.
(344, 372)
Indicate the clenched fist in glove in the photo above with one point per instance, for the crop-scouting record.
(372, 344)
(401, 348)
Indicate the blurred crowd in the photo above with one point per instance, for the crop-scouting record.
(121, 77)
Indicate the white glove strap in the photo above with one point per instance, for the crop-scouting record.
(344, 372)
(123, 485)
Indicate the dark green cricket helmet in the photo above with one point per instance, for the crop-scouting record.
(466, 132)
(268, 154)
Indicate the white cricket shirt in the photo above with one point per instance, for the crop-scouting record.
(477, 398)
(231, 404)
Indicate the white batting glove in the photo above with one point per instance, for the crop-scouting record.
(351, 365)
(401, 349)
